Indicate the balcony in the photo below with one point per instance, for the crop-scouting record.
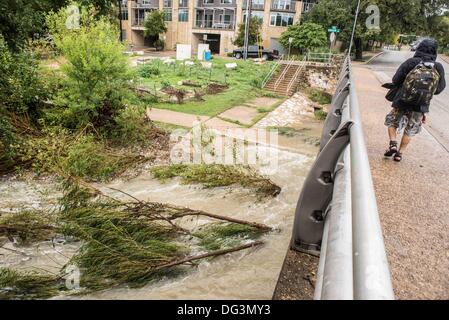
(138, 16)
(255, 4)
(146, 4)
(283, 5)
(223, 19)
(215, 3)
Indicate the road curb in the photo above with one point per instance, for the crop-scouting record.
(374, 57)
(444, 58)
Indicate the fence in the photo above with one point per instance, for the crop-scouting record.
(337, 215)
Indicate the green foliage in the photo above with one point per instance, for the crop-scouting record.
(148, 69)
(402, 17)
(253, 34)
(242, 84)
(89, 159)
(22, 19)
(28, 285)
(132, 125)
(155, 24)
(440, 31)
(320, 114)
(218, 175)
(320, 96)
(20, 87)
(306, 37)
(119, 247)
(28, 226)
(97, 78)
(219, 236)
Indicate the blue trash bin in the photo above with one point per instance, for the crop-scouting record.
(207, 55)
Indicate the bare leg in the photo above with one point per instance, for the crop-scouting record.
(392, 133)
(404, 142)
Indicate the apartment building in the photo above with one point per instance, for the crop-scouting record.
(211, 21)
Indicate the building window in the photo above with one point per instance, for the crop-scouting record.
(183, 4)
(281, 19)
(258, 14)
(167, 4)
(124, 13)
(167, 14)
(208, 1)
(255, 4)
(183, 15)
(287, 5)
(307, 5)
(225, 18)
(226, 1)
(123, 34)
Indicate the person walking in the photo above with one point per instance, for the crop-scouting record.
(412, 88)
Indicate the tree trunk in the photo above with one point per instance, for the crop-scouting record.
(358, 48)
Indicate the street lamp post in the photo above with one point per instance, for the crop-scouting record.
(120, 18)
(247, 25)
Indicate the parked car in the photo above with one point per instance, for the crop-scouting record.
(256, 52)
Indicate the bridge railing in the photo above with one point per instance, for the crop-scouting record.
(336, 216)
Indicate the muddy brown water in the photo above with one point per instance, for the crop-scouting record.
(248, 274)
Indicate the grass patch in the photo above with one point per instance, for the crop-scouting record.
(320, 114)
(319, 96)
(288, 131)
(240, 82)
(217, 175)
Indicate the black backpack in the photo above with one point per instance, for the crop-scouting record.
(420, 84)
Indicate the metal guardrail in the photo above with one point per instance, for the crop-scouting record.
(337, 210)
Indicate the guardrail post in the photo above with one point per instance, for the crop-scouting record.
(317, 193)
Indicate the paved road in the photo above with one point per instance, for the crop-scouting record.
(385, 66)
(412, 196)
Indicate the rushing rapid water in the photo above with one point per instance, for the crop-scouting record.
(247, 274)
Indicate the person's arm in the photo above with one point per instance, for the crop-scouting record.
(442, 83)
(402, 72)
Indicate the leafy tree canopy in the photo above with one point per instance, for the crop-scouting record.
(307, 36)
(253, 34)
(155, 24)
(97, 77)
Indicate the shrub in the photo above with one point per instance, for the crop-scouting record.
(97, 76)
(148, 70)
(306, 36)
(132, 124)
(89, 159)
(320, 97)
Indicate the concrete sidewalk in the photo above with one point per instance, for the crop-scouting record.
(412, 197)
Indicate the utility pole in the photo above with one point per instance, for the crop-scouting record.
(120, 18)
(249, 4)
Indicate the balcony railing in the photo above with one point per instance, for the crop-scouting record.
(210, 24)
(146, 4)
(255, 5)
(280, 5)
(215, 3)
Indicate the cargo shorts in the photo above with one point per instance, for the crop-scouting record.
(400, 119)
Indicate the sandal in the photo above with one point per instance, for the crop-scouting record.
(397, 157)
(392, 150)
